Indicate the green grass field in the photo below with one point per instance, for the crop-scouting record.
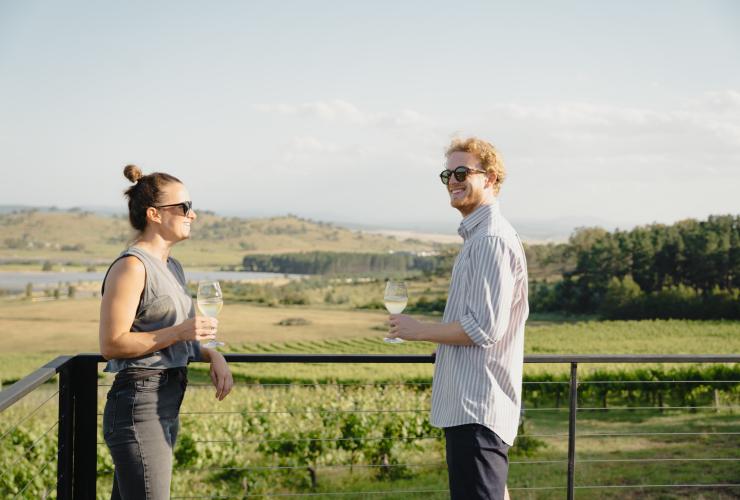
(36, 332)
(220, 446)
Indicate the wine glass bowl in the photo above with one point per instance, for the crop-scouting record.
(395, 299)
(210, 301)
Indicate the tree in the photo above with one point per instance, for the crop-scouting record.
(620, 294)
(643, 259)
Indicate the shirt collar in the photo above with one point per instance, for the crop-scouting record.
(482, 214)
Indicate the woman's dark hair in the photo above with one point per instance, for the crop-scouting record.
(144, 193)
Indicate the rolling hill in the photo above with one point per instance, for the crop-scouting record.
(78, 237)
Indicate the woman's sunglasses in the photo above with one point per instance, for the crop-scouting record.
(461, 173)
(186, 206)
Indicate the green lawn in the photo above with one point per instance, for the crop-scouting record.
(647, 455)
(36, 332)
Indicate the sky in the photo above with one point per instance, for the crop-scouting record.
(606, 113)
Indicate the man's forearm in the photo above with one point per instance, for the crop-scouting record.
(445, 333)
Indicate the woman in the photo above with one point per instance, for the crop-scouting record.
(149, 332)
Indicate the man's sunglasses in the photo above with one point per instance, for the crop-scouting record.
(461, 173)
(186, 206)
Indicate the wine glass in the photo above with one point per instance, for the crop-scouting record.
(395, 299)
(210, 302)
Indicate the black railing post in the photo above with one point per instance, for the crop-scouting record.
(77, 455)
(572, 429)
(65, 434)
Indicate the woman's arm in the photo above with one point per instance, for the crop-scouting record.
(220, 372)
(123, 288)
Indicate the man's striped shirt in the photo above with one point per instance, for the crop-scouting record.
(488, 296)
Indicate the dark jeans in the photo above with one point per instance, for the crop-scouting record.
(140, 425)
(477, 463)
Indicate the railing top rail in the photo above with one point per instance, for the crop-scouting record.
(632, 358)
(429, 358)
(534, 358)
(28, 383)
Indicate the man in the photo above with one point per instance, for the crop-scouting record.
(477, 386)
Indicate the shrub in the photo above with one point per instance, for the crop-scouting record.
(293, 322)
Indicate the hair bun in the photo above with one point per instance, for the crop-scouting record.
(132, 173)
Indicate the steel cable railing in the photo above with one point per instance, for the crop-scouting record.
(653, 382)
(28, 416)
(31, 437)
(515, 463)
(30, 471)
(635, 408)
(340, 385)
(306, 418)
(31, 481)
(437, 464)
(305, 467)
(441, 465)
(333, 493)
(656, 486)
(626, 486)
(437, 438)
(9, 468)
(445, 491)
(309, 440)
(635, 434)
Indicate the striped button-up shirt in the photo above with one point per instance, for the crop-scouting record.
(482, 383)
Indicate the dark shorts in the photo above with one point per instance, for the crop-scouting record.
(477, 462)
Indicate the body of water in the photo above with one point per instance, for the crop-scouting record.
(17, 281)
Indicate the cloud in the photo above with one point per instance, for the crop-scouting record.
(341, 111)
(714, 117)
(309, 144)
(314, 154)
(698, 134)
(725, 102)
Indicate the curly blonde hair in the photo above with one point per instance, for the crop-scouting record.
(490, 159)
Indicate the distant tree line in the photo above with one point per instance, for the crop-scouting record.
(690, 269)
(328, 263)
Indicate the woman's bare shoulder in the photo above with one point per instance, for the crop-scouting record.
(126, 270)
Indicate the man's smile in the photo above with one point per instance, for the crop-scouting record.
(457, 192)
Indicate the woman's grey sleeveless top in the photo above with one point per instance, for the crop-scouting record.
(164, 302)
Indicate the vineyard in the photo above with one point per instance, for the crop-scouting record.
(299, 438)
(307, 428)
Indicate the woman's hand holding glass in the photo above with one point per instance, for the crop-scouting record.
(200, 328)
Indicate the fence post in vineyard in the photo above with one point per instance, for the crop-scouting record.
(572, 429)
(77, 448)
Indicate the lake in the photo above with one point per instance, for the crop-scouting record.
(17, 281)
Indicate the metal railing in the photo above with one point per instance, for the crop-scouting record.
(76, 426)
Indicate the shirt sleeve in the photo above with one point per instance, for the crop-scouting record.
(491, 277)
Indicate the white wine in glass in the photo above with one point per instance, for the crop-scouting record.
(210, 301)
(396, 297)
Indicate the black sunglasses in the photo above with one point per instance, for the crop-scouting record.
(186, 206)
(461, 173)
